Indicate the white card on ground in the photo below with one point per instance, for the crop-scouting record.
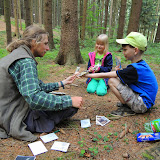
(49, 137)
(60, 146)
(85, 123)
(37, 148)
(102, 120)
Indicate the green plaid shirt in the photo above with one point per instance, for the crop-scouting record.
(35, 92)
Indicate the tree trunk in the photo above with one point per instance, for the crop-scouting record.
(134, 16)
(36, 11)
(69, 53)
(48, 21)
(84, 19)
(106, 16)
(59, 12)
(19, 13)
(157, 39)
(110, 18)
(16, 19)
(121, 19)
(93, 19)
(81, 16)
(102, 15)
(7, 20)
(55, 14)
(31, 12)
(1, 7)
(114, 12)
(27, 5)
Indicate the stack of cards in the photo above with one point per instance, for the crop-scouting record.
(102, 120)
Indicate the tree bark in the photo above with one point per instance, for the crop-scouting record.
(48, 21)
(157, 39)
(121, 19)
(16, 19)
(1, 7)
(84, 19)
(106, 16)
(7, 20)
(27, 5)
(19, 13)
(134, 16)
(110, 18)
(69, 53)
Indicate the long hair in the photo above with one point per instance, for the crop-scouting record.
(30, 33)
(104, 39)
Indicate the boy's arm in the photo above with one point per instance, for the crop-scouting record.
(112, 74)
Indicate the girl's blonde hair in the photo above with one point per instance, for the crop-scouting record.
(30, 33)
(104, 39)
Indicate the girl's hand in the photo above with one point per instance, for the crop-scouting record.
(96, 68)
(91, 69)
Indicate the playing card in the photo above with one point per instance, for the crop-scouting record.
(85, 123)
(102, 120)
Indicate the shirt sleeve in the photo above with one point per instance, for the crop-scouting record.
(128, 75)
(34, 91)
(108, 63)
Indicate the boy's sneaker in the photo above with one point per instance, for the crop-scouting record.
(123, 112)
(119, 104)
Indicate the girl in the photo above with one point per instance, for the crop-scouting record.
(99, 61)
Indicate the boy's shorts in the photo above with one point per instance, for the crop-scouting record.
(132, 99)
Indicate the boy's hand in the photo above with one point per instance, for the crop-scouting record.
(117, 68)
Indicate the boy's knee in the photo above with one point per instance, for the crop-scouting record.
(113, 82)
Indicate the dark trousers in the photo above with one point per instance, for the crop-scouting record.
(45, 121)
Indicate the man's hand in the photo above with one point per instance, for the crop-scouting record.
(69, 79)
(77, 102)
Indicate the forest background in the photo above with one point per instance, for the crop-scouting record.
(73, 26)
(80, 21)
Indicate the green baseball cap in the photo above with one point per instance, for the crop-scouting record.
(135, 39)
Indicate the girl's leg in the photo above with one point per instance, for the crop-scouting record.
(92, 86)
(101, 88)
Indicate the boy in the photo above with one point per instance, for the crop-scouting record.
(136, 85)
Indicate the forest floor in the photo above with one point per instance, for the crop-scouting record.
(99, 142)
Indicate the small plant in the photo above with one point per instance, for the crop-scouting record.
(95, 140)
(94, 151)
(116, 133)
(108, 148)
(82, 152)
(111, 125)
(105, 139)
(99, 136)
(126, 140)
(110, 133)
